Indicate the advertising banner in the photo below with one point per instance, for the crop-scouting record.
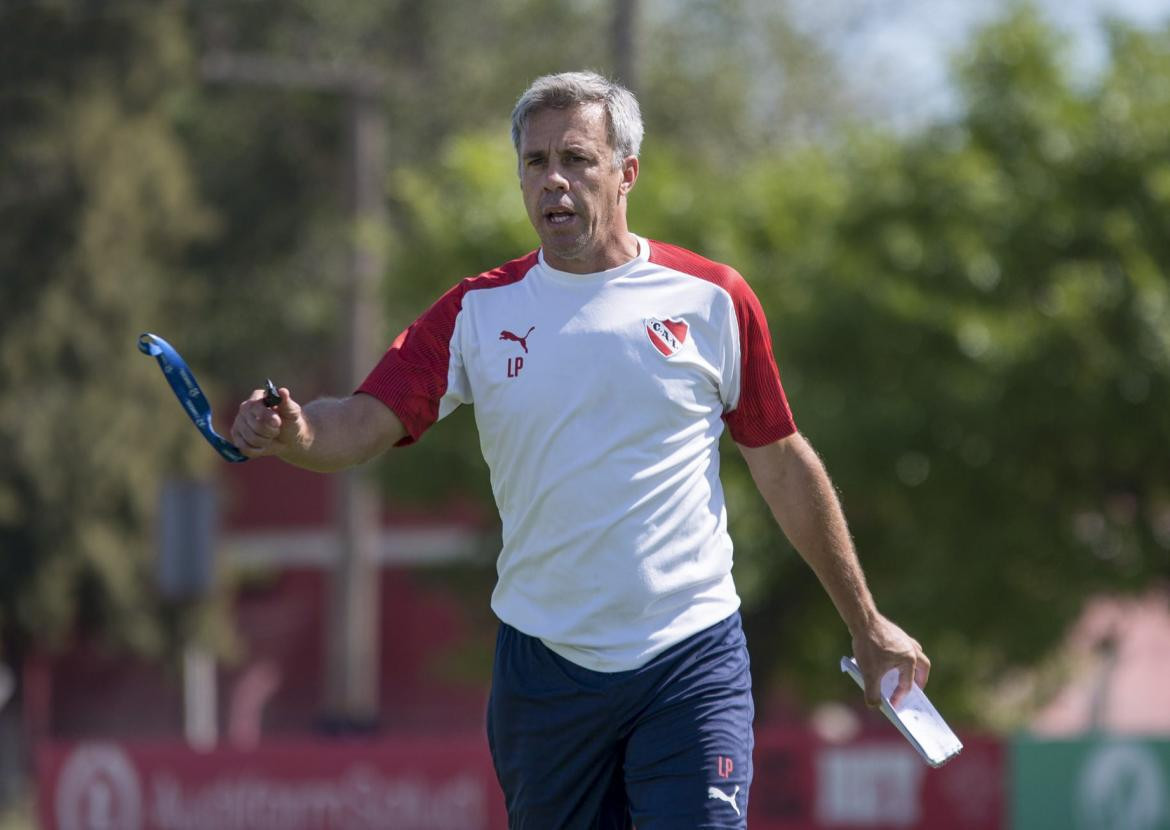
(419, 784)
(1096, 784)
(447, 783)
(878, 783)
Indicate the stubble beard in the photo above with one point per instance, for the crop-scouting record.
(571, 249)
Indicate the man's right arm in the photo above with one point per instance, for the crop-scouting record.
(326, 435)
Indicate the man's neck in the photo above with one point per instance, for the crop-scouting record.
(623, 249)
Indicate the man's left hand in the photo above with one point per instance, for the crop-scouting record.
(883, 646)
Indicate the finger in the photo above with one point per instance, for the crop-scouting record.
(905, 683)
(247, 431)
(246, 412)
(265, 424)
(254, 419)
(922, 669)
(287, 406)
(873, 690)
(255, 428)
(247, 442)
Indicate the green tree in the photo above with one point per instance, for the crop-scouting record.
(970, 321)
(135, 197)
(978, 346)
(97, 208)
(271, 162)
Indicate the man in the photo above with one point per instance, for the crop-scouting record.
(603, 367)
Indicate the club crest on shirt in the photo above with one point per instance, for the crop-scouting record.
(667, 336)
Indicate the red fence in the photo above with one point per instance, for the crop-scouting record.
(448, 784)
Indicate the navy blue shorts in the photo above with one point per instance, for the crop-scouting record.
(667, 746)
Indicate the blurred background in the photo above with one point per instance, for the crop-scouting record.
(954, 214)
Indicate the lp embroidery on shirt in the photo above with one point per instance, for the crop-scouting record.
(668, 336)
(515, 364)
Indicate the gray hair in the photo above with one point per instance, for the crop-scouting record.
(568, 89)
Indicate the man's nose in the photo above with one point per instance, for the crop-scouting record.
(554, 179)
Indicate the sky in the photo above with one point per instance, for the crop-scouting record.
(896, 52)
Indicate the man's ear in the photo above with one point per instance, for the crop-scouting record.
(629, 175)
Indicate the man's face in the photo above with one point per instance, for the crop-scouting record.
(575, 198)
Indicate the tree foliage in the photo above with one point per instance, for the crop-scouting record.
(971, 323)
(970, 318)
(991, 320)
(978, 346)
(97, 207)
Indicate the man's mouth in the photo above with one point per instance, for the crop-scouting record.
(558, 216)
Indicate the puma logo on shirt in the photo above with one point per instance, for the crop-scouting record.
(523, 341)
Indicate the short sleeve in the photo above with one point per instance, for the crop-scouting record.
(421, 376)
(760, 413)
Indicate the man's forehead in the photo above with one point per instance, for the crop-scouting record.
(577, 122)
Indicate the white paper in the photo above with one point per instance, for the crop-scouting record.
(915, 717)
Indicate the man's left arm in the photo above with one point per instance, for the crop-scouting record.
(793, 481)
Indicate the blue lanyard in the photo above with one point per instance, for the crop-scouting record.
(187, 390)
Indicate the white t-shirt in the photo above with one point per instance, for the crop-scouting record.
(600, 400)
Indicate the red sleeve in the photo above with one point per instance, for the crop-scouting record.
(762, 414)
(411, 377)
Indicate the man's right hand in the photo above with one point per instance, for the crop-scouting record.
(259, 430)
